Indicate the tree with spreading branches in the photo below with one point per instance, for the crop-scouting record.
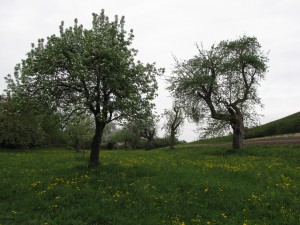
(222, 83)
(174, 120)
(90, 70)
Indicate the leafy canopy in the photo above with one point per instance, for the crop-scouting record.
(90, 70)
(221, 82)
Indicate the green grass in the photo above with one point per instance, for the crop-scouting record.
(287, 125)
(191, 185)
(214, 140)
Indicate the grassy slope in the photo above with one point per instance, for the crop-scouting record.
(286, 125)
(186, 186)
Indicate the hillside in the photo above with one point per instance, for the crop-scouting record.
(286, 125)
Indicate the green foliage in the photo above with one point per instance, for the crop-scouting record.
(79, 129)
(19, 127)
(221, 83)
(286, 125)
(190, 185)
(24, 124)
(143, 128)
(89, 70)
(126, 139)
(165, 142)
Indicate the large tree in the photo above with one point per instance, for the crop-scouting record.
(222, 82)
(91, 70)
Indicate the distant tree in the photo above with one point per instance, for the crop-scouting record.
(174, 120)
(149, 132)
(91, 70)
(24, 125)
(145, 128)
(222, 82)
(109, 131)
(80, 129)
(125, 137)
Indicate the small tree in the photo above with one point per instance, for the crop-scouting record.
(145, 128)
(90, 70)
(124, 136)
(175, 120)
(149, 132)
(222, 82)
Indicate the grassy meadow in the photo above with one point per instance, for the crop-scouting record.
(190, 185)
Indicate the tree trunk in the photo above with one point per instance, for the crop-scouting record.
(172, 139)
(96, 144)
(238, 133)
(150, 143)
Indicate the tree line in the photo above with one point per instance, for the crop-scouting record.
(83, 80)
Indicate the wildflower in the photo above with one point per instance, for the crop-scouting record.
(13, 212)
(35, 184)
(206, 190)
(41, 193)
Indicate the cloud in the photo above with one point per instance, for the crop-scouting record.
(164, 28)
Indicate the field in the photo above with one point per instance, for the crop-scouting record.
(192, 185)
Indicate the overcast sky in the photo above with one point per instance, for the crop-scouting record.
(164, 28)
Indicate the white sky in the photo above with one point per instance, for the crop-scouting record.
(164, 28)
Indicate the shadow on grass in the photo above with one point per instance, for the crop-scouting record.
(113, 173)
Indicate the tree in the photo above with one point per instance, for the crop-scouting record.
(175, 119)
(107, 135)
(148, 132)
(80, 130)
(125, 136)
(222, 82)
(91, 70)
(145, 128)
(24, 125)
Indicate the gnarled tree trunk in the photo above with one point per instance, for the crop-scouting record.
(237, 124)
(238, 136)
